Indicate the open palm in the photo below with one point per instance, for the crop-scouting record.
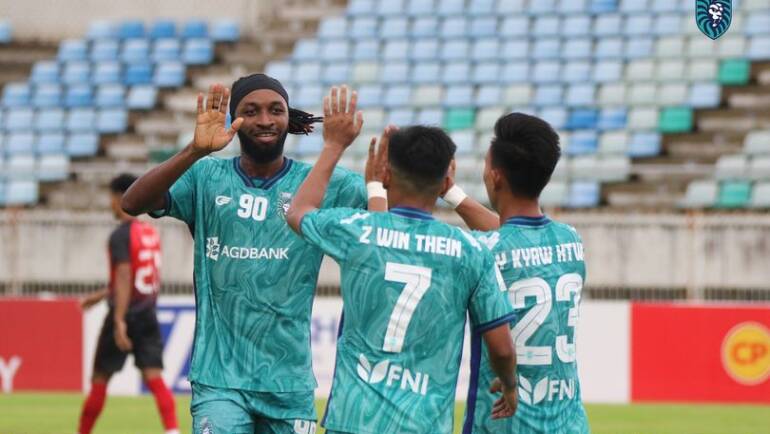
(210, 132)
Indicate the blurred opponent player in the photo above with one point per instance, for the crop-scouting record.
(254, 278)
(131, 326)
(542, 263)
(408, 282)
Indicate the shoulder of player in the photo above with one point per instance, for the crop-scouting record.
(567, 229)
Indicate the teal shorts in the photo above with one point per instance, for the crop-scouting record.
(230, 411)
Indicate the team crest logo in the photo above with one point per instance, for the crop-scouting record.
(284, 201)
(713, 16)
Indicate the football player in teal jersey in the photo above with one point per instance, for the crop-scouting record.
(254, 278)
(542, 263)
(408, 282)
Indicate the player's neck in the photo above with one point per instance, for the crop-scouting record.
(511, 206)
(252, 169)
(399, 199)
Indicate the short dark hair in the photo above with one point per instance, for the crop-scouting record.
(120, 183)
(526, 149)
(420, 155)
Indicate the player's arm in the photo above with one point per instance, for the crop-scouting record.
(374, 174)
(91, 299)
(502, 360)
(342, 124)
(122, 298)
(473, 213)
(148, 193)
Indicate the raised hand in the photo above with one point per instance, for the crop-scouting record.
(210, 132)
(342, 123)
(506, 405)
(378, 156)
(451, 173)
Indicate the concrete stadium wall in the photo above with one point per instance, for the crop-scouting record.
(622, 251)
(55, 20)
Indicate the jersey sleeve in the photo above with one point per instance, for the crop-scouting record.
(328, 229)
(120, 244)
(351, 192)
(180, 198)
(489, 306)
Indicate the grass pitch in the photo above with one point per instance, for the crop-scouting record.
(47, 413)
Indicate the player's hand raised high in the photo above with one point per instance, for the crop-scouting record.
(210, 132)
(342, 123)
(377, 161)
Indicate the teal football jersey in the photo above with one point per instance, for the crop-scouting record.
(542, 263)
(254, 277)
(408, 282)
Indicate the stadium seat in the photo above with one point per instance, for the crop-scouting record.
(333, 28)
(166, 49)
(608, 25)
(554, 194)
(547, 48)
(760, 195)
(607, 71)
(16, 95)
(556, 116)
(546, 72)
(516, 50)
(45, 71)
(458, 96)
(732, 47)
(366, 72)
(583, 142)
(486, 73)
(456, 73)
(309, 145)
(488, 95)
(53, 167)
(135, 51)
(643, 94)
(138, 73)
(425, 27)
(397, 96)
(20, 143)
(169, 74)
(401, 117)
(582, 119)
(335, 50)
(6, 32)
(517, 95)
(583, 194)
(72, 50)
(426, 73)
(361, 7)
(609, 48)
(110, 95)
(486, 118)
(335, 73)
(734, 72)
(613, 94)
(106, 73)
(459, 119)
(50, 143)
(360, 28)
(548, 95)
(515, 72)
(670, 70)
(19, 119)
(612, 119)
(366, 49)
(392, 28)
(21, 192)
(280, 70)
(643, 119)
(81, 120)
(374, 120)
(576, 25)
(615, 142)
(457, 49)
(104, 50)
(576, 72)
(306, 69)
(676, 120)
(450, 7)
(700, 194)
(198, 51)
(667, 25)
(306, 49)
(390, 7)
(194, 29)
(637, 48)
(758, 23)
(731, 167)
(425, 50)
(759, 168)
(112, 121)
(396, 50)
(580, 95)
(370, 95)
(757, 142)
(82, 144)
(584, 167)
(396, 73)
(703, 70)
(418, 8)
(163, 29)
(427, 96)
(705, 95)
(102, 29)
(76, 73)
(734, 194)
(49, 120)
(674, 94)
(131, 29)
(434, 117)
(464, 140)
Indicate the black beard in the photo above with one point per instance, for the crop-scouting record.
(261, 154)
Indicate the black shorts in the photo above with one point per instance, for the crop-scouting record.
(144, 332)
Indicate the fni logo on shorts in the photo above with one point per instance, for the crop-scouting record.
(713, 17)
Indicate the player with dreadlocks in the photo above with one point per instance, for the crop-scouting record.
(254, 278)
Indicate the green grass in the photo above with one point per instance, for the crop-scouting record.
(39, 413)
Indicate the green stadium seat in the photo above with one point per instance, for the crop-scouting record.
(676, 120)
(734, 194)
(734, 72)
(459, 119)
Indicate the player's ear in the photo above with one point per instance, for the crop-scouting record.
(386, 177)
(497, 179)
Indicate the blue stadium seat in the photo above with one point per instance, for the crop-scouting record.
(280, 70)
(511, 7)
(194, 29)
(367, 49)
(20, 143)
(225, 31)
(488, 95)
(50, 143)
(608, 25)
(759, 48)
(638, 25)
(82, 144)
(486, 72)
(131, 29)
(426, 72)
(481, 7)
(576, 25)
(396, 50)
(582, 119)
(547, 26)
(546, 72)
(581, 95)
(163, 29)
(458, 96)
(3, 186)
(306, 69)
(81, 120)
(583, 194)
(573, 6)
(112, 121)
(361, 7)
(401, 117)
(47, 95)
(513, 26)
(450, 7)
(333, 28)
(634, 6)
(607, 71)
(576, 72)
(433, 117)
(612, 119)
(705, 95)
(104, 50)
(142, 97)
(639, 48)
(334, 50)
(758, 23)
(166, 49)
(336, 73)
(309, 95)
(397, 96)
(456, 49)
(425, 27)
(21, 192)
(396, 73)
(644, 145)
(363, 28)
(49, 120)
(425, 49)
(456, 73)
(546, 49)
(17, 94)
(53, 167)
(76, 73)
(515, 72)
(666, 25)
(138, 73)
(542, 7)
(45, 71)
(583, 142)
(135, 51)
(102, 29)
(306, 49)
(418, 8)
(198, 51)
(394, 28)
(577, 48)
(309, 145)
(390, 7)
(483, 27)
(464, 140)
(19, 119)
(609, 48)
(485, 49)
(370, 95)
(669, 6)
(73, 50)
(169, 74)
(106, 73)
(110, 95)
(548, 95)
(6, 32)
(603, 6)
(556, 116)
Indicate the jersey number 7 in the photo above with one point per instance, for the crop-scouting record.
(417, 281)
